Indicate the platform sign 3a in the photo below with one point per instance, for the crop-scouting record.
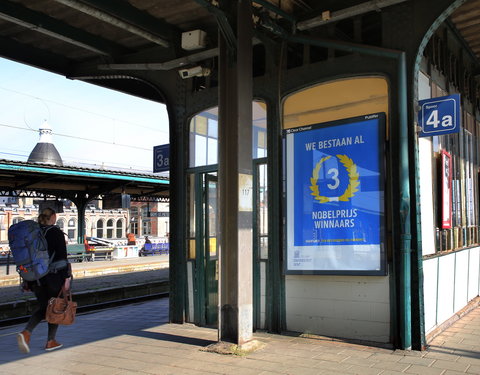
(161, 158)
(439, 116)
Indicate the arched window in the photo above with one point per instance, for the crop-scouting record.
(316, 158)
(100, 228)
(204, 138)
(203, 146)
(147, 227)
(110, 228)
(72, 229)
(119, 228)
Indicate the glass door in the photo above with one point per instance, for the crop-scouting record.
(211, 249)
(260, 242)
(202, 248)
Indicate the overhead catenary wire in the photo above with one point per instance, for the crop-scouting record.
(117, 124)
(80, 138)
(89, 163)
(83, 110)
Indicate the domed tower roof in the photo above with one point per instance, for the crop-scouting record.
(45, 151)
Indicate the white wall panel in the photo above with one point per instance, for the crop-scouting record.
(430, 268)
(474, 273)
(190, 290)
(356, 307)
(263, 294)
(426, 195)
(424, 90)
(446, 271)
(461, 279)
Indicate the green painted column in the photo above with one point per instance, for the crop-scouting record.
(81, 204)
(178, 253)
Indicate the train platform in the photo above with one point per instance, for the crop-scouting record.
(98, 267)
(95, 275)
(137, 339)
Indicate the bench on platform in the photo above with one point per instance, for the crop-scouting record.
(83, 252)
(77, 253)
(101, 253)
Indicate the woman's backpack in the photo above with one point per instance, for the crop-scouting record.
(29, 249)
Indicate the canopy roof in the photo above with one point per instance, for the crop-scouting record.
(42, 180)
(106, 42)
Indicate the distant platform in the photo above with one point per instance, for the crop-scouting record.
(98, 268)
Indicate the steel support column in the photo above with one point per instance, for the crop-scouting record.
(275, 293)
(235, 180)
(177, 254)
(81, 203)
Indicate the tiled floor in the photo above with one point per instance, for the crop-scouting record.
(137, 339)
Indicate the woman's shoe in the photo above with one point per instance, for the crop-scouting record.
(52, 345)
(23, 339)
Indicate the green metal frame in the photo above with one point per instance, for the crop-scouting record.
(211, 264)
(199, 272)
(256, 244)
(418, 306)
(199, 279)
(275, 298)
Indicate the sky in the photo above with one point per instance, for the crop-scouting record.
(91, 125)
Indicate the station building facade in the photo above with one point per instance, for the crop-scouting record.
(109, 224)
(412, 273)
(302, 196)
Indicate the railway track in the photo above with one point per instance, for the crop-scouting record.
(12, 313)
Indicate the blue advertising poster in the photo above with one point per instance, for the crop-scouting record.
(335, 192)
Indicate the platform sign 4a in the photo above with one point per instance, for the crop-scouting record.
(439, 116)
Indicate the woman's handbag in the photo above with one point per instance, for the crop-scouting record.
(61, 310)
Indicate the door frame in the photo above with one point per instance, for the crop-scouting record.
(199, 271)
(257, 260)
(199, 278)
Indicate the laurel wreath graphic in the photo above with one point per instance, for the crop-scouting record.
(352, 187)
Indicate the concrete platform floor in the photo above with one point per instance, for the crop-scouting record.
(98, 267)
(136, 339)
(96, 275)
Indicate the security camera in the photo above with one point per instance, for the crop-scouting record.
(196, 71)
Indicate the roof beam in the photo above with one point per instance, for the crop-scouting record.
(32, 56)
(49, 26)
(338, 15)
(268, 5)
(170, 64)
(104, 189)
(167, 65)
(24, 193)
(222, 22)
(115, 21)
(33, 181)
(135, 17)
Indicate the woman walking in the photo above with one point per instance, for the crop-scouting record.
(49, 285)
